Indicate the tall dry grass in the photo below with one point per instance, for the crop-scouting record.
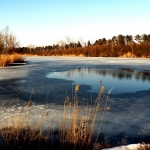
(144, 146)
(6, 59)
(76, 126)
(128, 55)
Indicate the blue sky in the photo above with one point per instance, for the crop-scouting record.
(44, 22)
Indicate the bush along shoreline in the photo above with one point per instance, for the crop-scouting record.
(11, 59)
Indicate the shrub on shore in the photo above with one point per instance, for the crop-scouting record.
(6, 59)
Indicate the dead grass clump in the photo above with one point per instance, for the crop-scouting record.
(128, 69)
(128, 55)
(16, 58)
(6, 59)
(78, 124)
(23, 138)
(144, 146)
(75, 130)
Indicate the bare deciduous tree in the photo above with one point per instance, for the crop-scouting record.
(1, 42)
(61, 44)
(8, 41)
(82, 41)
(69, 40)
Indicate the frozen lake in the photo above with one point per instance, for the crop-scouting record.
(50, 77)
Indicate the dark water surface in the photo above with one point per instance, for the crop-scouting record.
(122, 81)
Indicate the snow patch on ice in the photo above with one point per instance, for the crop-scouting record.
(129, 147)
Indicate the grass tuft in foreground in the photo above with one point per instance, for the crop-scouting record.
(75, 129)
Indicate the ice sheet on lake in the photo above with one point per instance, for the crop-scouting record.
(11, 72)
(93, 60)
(50, 115)
(123, 108)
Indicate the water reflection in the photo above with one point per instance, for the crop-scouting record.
(123, 81)
(120, 74)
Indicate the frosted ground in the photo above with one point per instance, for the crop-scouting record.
(128, 117)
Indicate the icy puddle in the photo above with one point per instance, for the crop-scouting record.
(123, 81)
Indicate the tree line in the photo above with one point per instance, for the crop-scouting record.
(117, 46)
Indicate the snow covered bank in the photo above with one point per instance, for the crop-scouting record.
(130, 147)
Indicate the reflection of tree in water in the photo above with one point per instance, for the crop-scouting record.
(114, 75)
(91, 71)
(137, 76)
(71, 73)
(144, 78)
(128, 76)
(121, 75)
(141, 77)
(117, 73)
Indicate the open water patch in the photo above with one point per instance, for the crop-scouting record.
(123, 81)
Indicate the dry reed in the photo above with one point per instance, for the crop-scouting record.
(144, 146)
(128, 55)
(76, 127)
(6, 59)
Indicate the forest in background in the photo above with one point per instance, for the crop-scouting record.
(117, 46)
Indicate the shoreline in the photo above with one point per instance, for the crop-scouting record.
(81, 55)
